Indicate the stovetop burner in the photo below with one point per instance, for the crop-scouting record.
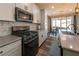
(26, 35)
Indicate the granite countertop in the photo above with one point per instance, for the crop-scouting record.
(70, 42)
(5, 40)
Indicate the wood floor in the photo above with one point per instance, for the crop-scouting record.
(45, 47)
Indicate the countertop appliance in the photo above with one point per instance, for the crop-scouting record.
(22, 15)
(30, 42)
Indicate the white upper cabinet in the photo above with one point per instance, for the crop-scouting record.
(36, 14)
(29, 7)
(7, 11)
(20, 5)
(25, 6)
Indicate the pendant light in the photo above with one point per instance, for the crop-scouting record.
(77, 9)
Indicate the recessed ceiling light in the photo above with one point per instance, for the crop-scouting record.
(52, 6)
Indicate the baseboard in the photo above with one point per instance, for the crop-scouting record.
(42, 43)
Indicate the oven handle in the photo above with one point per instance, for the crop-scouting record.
(31, 40)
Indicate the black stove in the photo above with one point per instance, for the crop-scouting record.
(29, 41)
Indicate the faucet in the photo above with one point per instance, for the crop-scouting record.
(69, 28)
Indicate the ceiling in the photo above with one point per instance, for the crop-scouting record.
(59, 8)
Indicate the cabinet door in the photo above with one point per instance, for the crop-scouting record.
(13, 49)
(25, 6)
(29, 7)
(41, 37)
(7, 11)
(20, 5)
(36, 14)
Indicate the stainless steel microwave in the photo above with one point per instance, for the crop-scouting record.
(22, 15)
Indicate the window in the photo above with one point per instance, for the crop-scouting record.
(53, 22)
(58, 23)
(69, 22)
(63, 22)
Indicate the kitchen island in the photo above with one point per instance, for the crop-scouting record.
(69, 45)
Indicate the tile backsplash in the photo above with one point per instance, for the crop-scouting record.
(5, 27)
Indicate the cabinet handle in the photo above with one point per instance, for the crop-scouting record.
(1, 52)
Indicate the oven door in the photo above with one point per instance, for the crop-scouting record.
(30, 48)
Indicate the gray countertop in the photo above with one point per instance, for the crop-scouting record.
(8, 39)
